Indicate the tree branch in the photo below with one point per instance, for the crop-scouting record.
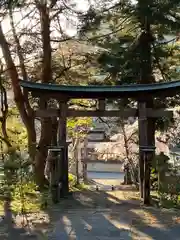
(4, 112)
(21, 60)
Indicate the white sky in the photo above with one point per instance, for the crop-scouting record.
(80, 5)
(23, 22)
(26, 20)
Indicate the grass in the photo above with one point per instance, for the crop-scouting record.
(24, 197)
(33, 200)
(164, 202)
(27, 197)
(75, 187)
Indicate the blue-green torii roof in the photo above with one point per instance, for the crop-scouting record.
(104, 91)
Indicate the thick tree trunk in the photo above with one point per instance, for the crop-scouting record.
(21, 98)
(146, 76)
(32, 143)
(27, 117)
(46, 124)
(42, 151)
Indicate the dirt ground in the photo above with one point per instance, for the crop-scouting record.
(96, 215)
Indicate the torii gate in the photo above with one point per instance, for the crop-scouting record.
(139, 92)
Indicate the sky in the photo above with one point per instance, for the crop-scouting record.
(80, 5)
(28, 22)
(22, 21)
(69, 26)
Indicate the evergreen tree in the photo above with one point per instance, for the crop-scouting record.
(117, 30)
(137, 51)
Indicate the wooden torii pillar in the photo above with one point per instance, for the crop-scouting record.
(146, 150)
(47, 91)
(59, 164)
(62, 132)
(146, 116)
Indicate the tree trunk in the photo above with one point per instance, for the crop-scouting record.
(127, 175)
(76, 155)
(27, 118)
(46, 124)
(146, 76)
(41, 155)
(84, 163)
(130, 167)
(21, 99)
(32, 143)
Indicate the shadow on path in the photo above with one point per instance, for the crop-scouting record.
(100, 215)
(9, 230)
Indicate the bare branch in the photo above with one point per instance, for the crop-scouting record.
(4, 112)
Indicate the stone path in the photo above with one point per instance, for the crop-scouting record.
(112, 224)
(103, 215)
(88, 225)
(122, 220)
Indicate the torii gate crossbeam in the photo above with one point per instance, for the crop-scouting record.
(140, 92)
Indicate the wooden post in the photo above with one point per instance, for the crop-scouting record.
(142, 121)
(150, 142)
(54, 175)
(64, 153)
(146, 76)
(54, 129)
(147, 172)
(101, 104)
(40, 162)
(54, 164)
(146, 138)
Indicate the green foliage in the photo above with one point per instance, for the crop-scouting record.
(73, 63)
(165, 181)
(11, 3)
(71, 179)
(16, 132)
(78, 127)
(17, 182)
(160, 163)
(116, 27)
(122, 25)
(73, 186)
(170, 196)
